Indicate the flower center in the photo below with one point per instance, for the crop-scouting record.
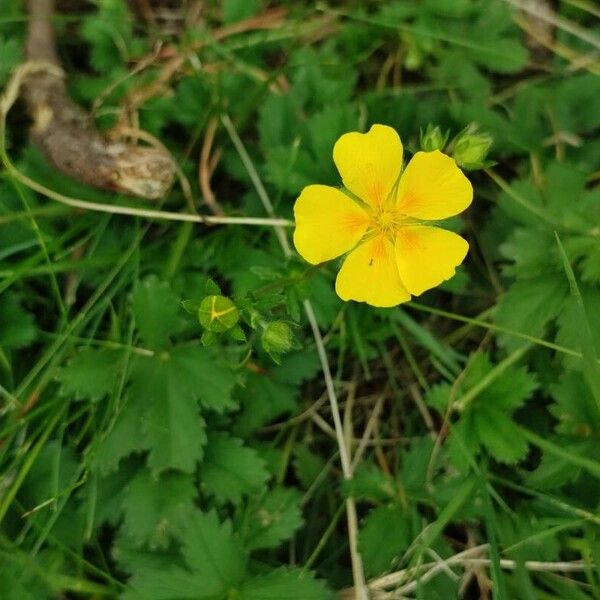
(386, 220)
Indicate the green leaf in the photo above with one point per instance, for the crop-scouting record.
(275, 116)
(162, 414)
(230, 470)
(236, 10)
(273, 519)
(215, 564)
(587, 324)
(110, 34)
(154, 504)
(16, 584)
(156, 311)
(500, 435)
(575, 413)
(307, 465)
(389, 523)
(166, 582)
(205, 375)
(415, 465)
(123, 436)
(284, 584)
(54, 470)
(528, 306)
(370, 483)
(10, 56)
(502, 55)
(91, 374)
(17, 326)
(263, 399)
(171, 425)
(213, 553)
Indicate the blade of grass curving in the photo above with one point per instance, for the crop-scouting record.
(40, 238)
(493, 327)
(30, 459)
(447, 356)
(590, 465)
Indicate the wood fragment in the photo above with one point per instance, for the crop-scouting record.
(66, 135)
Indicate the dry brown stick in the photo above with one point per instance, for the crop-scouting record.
(206, 168)
(66, 134)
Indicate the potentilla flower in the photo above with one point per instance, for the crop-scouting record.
(384, 218)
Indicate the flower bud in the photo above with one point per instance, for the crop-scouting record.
(471, 148)
(433, 138)
(278, 338)
(218, 314)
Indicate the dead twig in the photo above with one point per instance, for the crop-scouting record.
(208, 162)
(66, 134)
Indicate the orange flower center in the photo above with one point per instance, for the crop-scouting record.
(386, 220)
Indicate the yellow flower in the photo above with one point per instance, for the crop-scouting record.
(380, 219)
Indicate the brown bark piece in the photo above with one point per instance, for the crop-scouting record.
(66, 134)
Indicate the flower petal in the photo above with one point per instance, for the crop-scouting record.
(369, 163)
(427, 256)
(432, 187)
(369, 274)
(328, 223)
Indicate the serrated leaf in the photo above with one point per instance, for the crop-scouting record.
(90, 374)
(162, 413)
(500, 435)
(262, 400)
(213, 553)
(284, 584)
(274, 519)
(205, 375)
(215, 564)
(368, 482)
(230, 470)
(389, 523)
(575, 413)
(172, 428)
(276, 114)
(439, 396)
(123, 437)
(109, 33)
(528, 306)
(156, 312)
(165, 583)
(307, 465)
(103, 496)
(415, 465)
(152, 505)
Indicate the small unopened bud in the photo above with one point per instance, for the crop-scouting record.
(278, 338)
(218, 313)
(433, 138)
(471, 148)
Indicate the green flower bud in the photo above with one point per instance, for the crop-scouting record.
(433, 138)
(471, 148)
(218, 314)
(278, 338)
